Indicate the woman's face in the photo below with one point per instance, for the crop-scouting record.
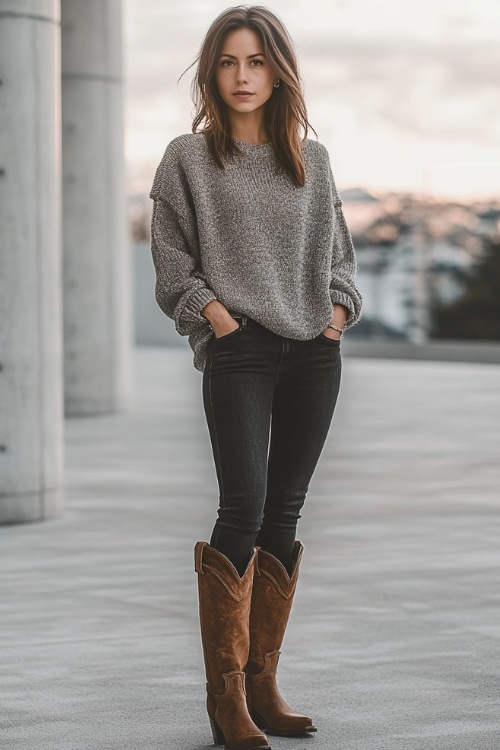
(242, 66)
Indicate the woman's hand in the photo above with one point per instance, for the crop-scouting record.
(220, 318)
(338, 319)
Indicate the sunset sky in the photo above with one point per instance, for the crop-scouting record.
(405, 96)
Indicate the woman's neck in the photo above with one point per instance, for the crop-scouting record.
(243, 129)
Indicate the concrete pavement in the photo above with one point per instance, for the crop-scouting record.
(394, 638)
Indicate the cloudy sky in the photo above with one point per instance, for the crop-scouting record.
(404, 95)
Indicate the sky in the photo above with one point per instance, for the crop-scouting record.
(405, 96)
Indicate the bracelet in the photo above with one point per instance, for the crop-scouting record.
(207, 321)
(340, 330)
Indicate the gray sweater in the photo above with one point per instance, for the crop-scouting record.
(247, 236)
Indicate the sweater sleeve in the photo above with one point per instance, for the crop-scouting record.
(181, 289)
(343, 290)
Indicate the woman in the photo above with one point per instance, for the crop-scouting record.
(255, 264)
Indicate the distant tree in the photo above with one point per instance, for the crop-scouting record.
(476, 313)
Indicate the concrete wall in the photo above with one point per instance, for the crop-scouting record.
(31, 374)
(97, 300)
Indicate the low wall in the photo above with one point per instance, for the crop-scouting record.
(443, 350)
(153, 328)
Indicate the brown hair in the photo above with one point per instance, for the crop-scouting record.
(285, 111)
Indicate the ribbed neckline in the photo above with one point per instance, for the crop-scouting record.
(252, 145)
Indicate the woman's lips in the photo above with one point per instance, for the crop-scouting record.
(243, 96)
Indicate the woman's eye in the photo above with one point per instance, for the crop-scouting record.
(225, 63)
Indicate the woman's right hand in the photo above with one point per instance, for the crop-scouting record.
(220, 318)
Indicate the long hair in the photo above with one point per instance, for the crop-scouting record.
(285, 111)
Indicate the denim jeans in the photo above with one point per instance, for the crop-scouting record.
(269, 402)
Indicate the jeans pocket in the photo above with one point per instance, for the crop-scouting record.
(227, 335)
(328, 340)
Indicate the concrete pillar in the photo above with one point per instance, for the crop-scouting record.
(31, 371)
(96, 266)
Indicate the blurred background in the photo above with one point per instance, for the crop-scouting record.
(406, 101)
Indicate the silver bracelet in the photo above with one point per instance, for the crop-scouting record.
(340, 330)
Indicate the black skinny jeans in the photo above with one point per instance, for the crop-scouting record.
(269, 402)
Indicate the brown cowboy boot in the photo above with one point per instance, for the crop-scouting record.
(272, 598)
(224, 600)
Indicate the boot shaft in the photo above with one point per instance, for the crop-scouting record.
(224, 608)
(272, 599)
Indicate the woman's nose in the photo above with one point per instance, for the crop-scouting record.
(240, 75)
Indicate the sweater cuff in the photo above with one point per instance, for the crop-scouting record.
(341, 298)
(196, 302)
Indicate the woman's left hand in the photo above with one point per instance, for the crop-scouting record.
(338, 319)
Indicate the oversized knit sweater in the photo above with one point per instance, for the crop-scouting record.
(247, 236)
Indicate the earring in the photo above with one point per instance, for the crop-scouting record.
(276, 85)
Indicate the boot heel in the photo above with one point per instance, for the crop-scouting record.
(219, 738)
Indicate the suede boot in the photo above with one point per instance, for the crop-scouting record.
(272, 597)
(224, 602)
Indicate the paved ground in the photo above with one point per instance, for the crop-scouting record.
(395, 634)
